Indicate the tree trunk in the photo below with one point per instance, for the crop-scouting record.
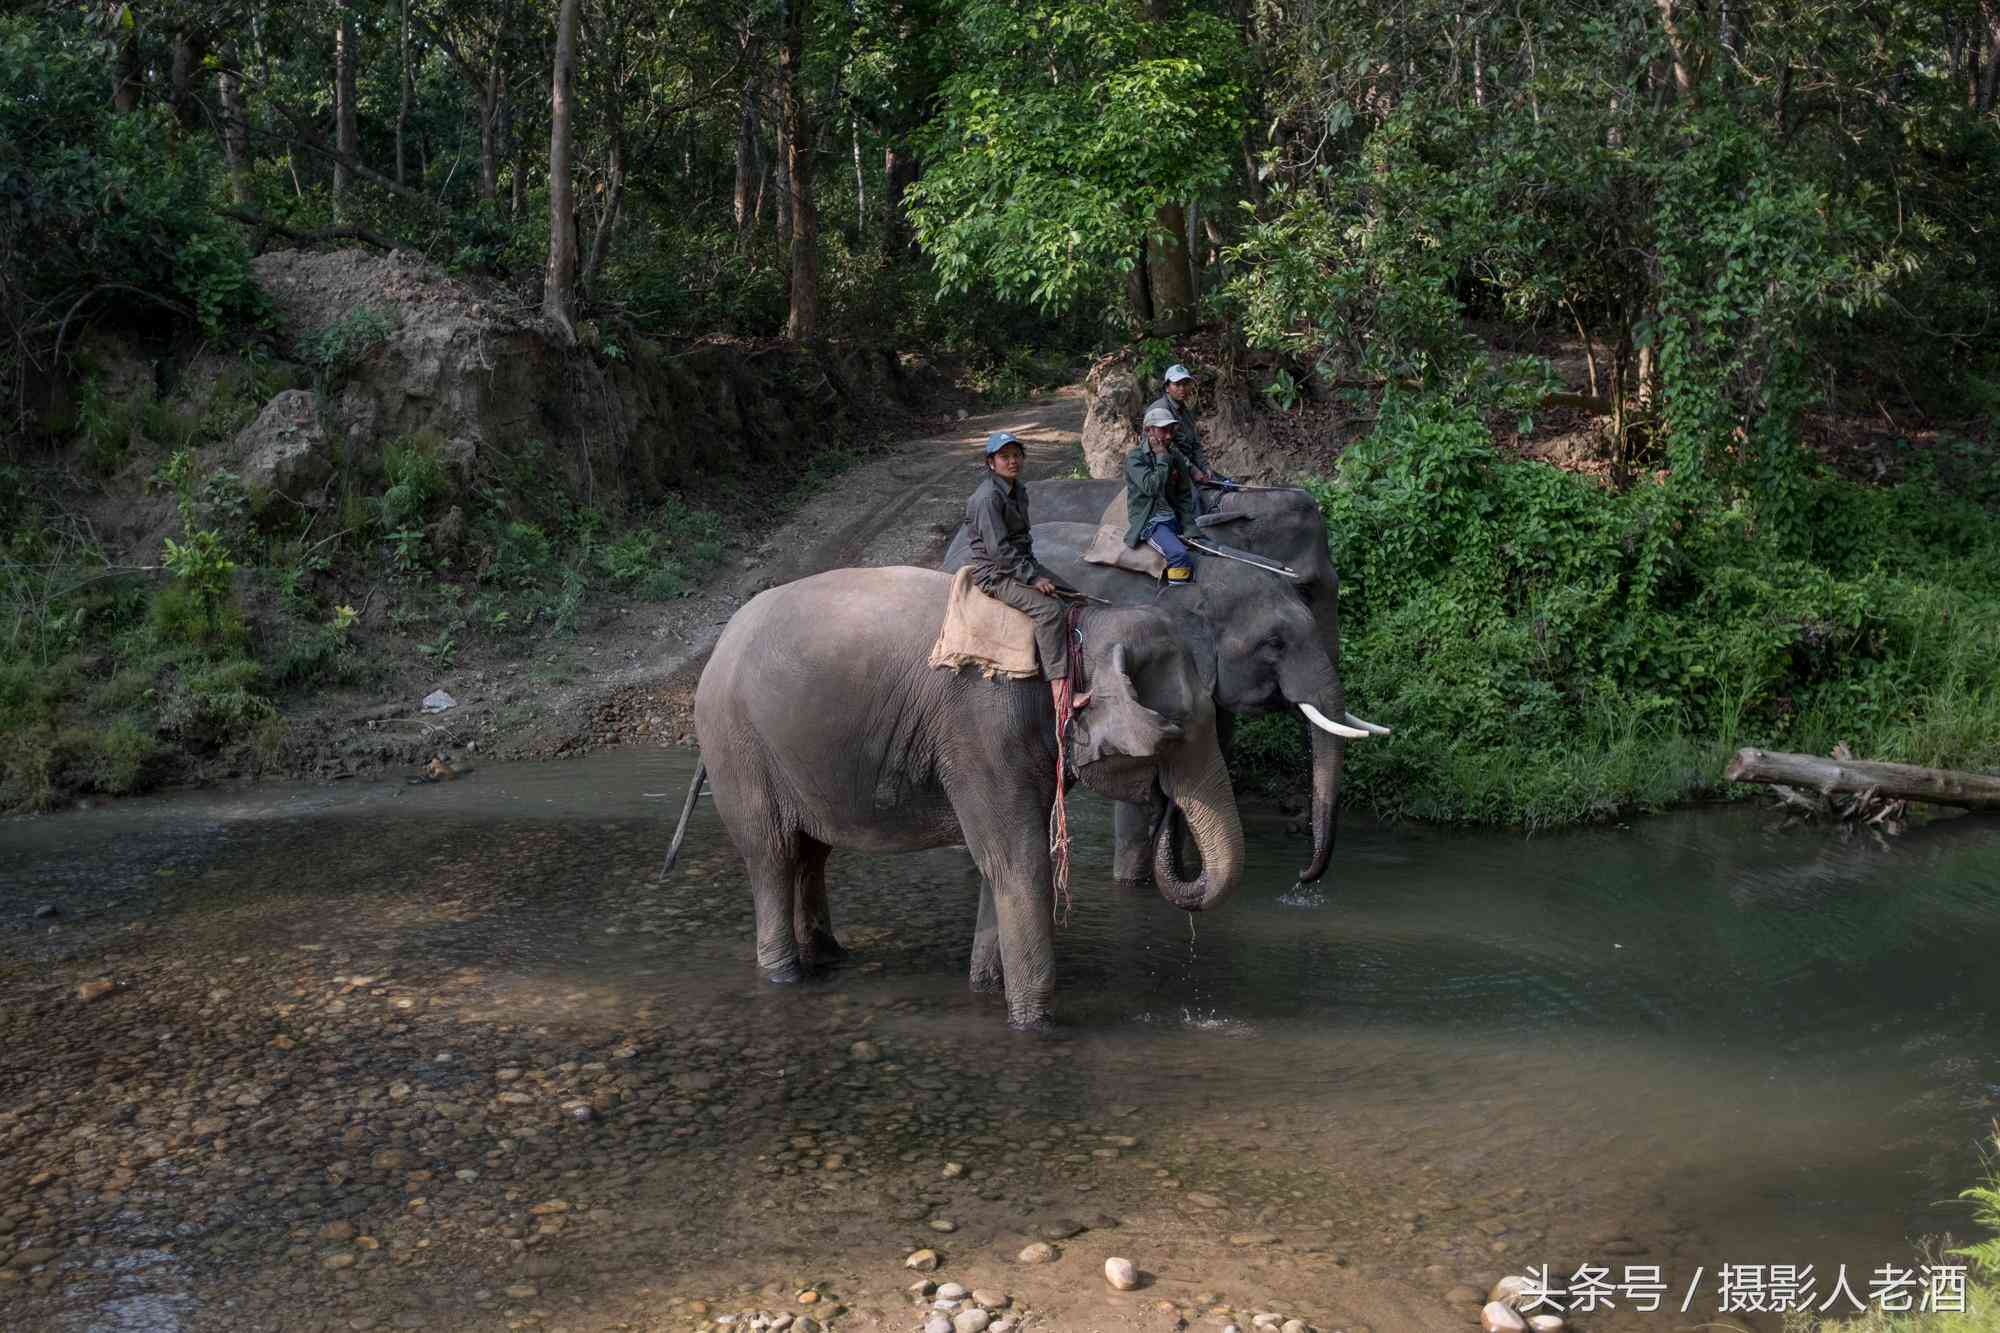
(1909, 782)
(346, 130)
(1687, 62)
(614, 193)
(235, 130)
(1989, 88)
(559, 282)
(489, 140)
(1139, 292)
(860, 179)
(749, 163)
(189, 47)
(408, 93)
(1173, 286)
(125, 75)
(804, 320)
(899, 173)
(781, 176)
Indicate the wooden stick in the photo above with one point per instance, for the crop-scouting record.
(1939, 786)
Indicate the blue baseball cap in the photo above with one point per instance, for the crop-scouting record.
(999, 440)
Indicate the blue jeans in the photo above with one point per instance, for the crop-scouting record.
(1164, 536)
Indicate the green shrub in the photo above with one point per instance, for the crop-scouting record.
(216, 707)
(124, 749)
(413, 467)
(337, 348)
(523, 553)
(1553, 650)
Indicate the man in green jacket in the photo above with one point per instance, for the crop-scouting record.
(1159, 495)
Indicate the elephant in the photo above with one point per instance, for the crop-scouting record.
(1280, 523)
(822, 724)
(1258, 643)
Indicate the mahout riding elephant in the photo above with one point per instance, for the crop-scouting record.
(1283, 524)
(822, 725)
(1259, 644)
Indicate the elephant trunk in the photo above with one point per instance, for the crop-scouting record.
(1200, 791)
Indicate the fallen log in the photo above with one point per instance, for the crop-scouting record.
(1910, 782)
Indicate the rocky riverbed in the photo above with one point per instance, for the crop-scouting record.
(353, 1058)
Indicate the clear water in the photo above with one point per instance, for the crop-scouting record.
(1689, 1042)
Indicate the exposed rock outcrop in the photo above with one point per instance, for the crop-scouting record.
(285, 450)
(467, 366)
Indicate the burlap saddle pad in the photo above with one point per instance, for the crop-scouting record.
(984, 632)
(1108, 546)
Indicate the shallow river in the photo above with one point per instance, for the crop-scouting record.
(1692, 1042)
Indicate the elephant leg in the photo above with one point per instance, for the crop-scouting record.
(1132, 850)
(812, 921)
(1132, 826)
(987, 973)
(1023, 905)
(774, 878)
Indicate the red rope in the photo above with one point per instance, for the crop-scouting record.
(1059, 813)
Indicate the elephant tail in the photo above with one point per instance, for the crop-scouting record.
(687, 810)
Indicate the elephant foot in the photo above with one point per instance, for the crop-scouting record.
(822, 950)
(787, 975)
(1040, 1025)
(985, 983)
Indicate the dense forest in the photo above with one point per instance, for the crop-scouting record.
(1763, 226)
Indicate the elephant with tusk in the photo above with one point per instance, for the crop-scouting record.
(1260, 641)
(822, 725)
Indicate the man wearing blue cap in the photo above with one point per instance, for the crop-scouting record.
(1003, 561)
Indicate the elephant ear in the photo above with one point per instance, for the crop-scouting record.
(1117, 723)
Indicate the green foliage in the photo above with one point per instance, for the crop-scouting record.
(101, 210)
(212, 707)
(203, 566)
(1557, 650)
(1063, 129)
(337, 348)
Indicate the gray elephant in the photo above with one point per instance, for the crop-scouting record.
(1257, 642)
(1281, 523)
(822, 725)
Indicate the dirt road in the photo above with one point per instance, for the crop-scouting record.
(899, 508)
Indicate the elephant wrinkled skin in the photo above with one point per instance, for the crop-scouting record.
(822, 725)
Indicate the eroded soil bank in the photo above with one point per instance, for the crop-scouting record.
(373, 1056)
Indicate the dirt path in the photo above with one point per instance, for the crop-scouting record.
(898, 508)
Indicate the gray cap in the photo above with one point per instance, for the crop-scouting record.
(999, 440)
(1159, 416)
(1178, 372)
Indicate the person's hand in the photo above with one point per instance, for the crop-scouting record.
(1046, 587)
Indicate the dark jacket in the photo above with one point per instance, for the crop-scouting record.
(996, 519)
(1187, 443)
(1149, 477)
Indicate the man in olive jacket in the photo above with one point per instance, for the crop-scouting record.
(1002, 556)
(1159, 495)
(1187, 440)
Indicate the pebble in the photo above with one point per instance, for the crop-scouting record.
(522, 1291)
(864, 1052)
(1040, 1252)
(1507, 1291)
(338, 1259)
(1121, 1274)
(951, 1291)
(95, 990)
(937, 1323)
(970, 1321)
(1545, 1323)
(1293, 1326)
(944, 1224)
(1246, 1238)
(1498, 1318)
(923, 1261)
(992, 1300)
(953, 1170)
(1200, 1200)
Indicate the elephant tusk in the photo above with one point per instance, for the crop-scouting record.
(1325, 723)
(1372, 728)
